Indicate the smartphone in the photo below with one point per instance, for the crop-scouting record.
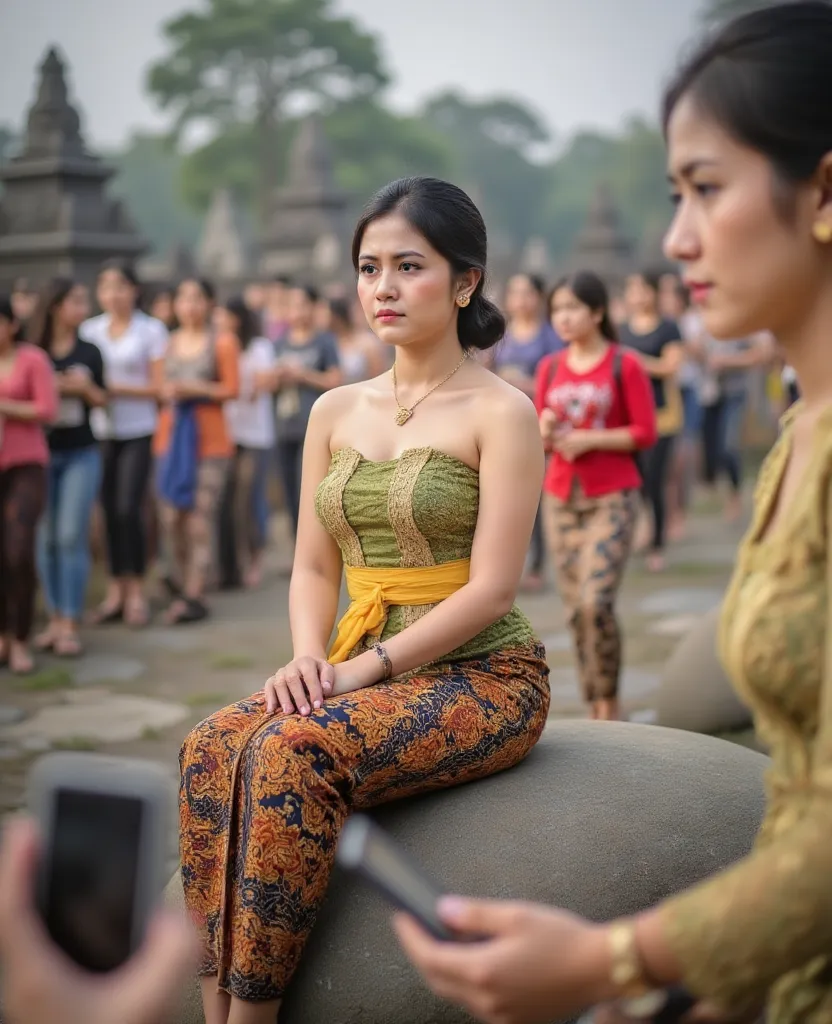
(370, 851)
(104, 828)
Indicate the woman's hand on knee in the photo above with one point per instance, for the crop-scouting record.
(300, 686)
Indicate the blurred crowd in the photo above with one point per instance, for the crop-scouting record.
(166, 429)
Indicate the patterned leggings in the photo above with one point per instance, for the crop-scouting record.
(263, 799)
(590, 539)
(189, 538)
(22, 500)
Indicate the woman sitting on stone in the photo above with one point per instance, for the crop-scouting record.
(750, 143)
(434, 677)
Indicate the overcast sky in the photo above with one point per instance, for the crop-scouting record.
(579, 62)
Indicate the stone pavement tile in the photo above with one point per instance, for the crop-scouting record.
(176, 641)
(673, 625)
(680, 600)
(557, 642)
(97, 716)
(10, 715)
(93, 669)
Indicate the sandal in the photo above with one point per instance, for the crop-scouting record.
(45, 641)
(21, 663)
(68, 646)
(186, 610)
(106, 614)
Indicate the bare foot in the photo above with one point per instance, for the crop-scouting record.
(136, 612)
(655, 562)
(68, 645)
(733, 508)
(676, 529)
(608, 711)
(45, 641)
(253, 576)
(21, 661)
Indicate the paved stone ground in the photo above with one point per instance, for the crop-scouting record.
(138, 692)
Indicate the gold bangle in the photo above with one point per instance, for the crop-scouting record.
(384, 658)
(627, 972)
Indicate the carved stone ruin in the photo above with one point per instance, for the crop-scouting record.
(55, 215)
(307, 237)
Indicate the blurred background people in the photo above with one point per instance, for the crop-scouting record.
(193, 446)
(74, 470)
(529, 338)
(658, 342)
(306, 366)
(361, 355)
(596, 410)
(243, 517)
(133, 347)
(28, 402)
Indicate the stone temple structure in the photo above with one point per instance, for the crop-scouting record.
(307, 238)
(225, 251)
(602, 245)
(55, 215)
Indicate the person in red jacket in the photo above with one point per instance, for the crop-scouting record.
(596, 412)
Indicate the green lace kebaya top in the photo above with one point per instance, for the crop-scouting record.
(415, 511)
(763, 929)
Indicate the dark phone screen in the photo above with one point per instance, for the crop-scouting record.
(90, 889)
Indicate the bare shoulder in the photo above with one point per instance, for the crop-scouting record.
(502, 407)
(338, 402)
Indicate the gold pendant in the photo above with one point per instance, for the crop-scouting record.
(402, 416)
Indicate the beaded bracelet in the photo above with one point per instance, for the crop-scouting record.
(384, 658)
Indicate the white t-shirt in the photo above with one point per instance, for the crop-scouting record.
(250, 417)
(127, 363)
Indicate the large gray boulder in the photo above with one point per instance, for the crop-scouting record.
(603, 818)
(695, 693)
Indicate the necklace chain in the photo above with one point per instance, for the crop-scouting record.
(403, 414)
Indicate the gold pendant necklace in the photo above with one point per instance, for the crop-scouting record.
(402, 413)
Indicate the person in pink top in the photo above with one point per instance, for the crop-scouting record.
(28, 400)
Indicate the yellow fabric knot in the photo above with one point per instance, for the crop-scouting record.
(372, 591)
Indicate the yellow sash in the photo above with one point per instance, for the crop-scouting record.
(374, 590)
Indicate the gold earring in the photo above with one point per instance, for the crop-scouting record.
(463, 300)
(822, 232)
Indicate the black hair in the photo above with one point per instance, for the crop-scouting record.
(247, 321)
(535, 280)
(281, 279)
(340, 310)
(589, 289)
(454, 227)
(205, 286)
(766, 79)
(651, 277)
(309, 290)
(7, 313)
(127, 271)
(40, 328)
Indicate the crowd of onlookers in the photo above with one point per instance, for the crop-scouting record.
(159, 423)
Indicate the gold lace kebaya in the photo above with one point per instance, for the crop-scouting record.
(763, 928)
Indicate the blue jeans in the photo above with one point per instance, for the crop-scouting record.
(63, 550)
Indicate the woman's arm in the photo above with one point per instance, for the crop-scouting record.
(668, 363)
(639, 408)
(316, 572)
(228, 370)
(43, 405)
(321, 380)
(511, 478)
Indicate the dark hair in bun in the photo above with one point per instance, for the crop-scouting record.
(766, 79)
(453, 225)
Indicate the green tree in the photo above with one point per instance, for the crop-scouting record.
(246, 62)
(495, 142)
(632, 165)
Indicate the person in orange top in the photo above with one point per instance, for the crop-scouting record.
(192, 445)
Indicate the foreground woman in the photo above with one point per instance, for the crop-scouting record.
(434, 678)
(751, 166)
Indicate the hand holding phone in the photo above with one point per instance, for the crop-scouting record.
(39, 984)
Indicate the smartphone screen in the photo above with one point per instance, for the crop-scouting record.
(90, 886)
